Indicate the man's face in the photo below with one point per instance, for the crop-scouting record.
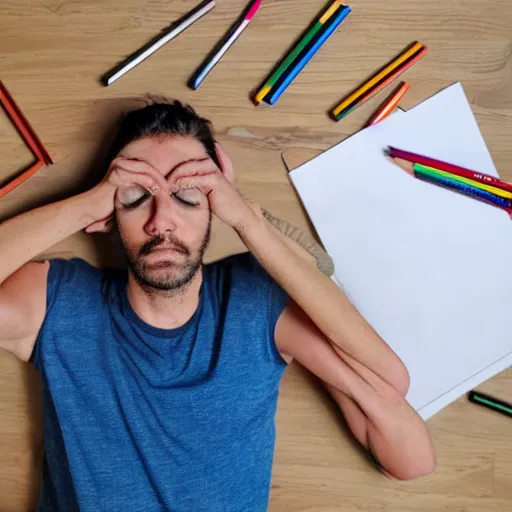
(164, 235)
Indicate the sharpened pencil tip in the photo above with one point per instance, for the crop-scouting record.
(406, 166)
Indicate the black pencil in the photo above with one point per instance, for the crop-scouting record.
(490, 402)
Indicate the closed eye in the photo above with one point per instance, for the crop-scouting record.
(189, 197)
(132, 197)
(138, 202)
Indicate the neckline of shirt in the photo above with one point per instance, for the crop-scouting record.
(132, 316)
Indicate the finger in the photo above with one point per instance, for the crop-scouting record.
(132, 164)
(137, 166)
(226, 165)
(205, 183)
(123, 178)
(101, 226)
(195, 168)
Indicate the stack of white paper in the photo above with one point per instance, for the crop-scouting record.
(429, 269)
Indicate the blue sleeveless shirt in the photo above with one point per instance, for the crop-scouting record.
(142, 419)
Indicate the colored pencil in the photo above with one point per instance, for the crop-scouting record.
(23, 126)
(383, 83)
(462, 188)
(443, 174)
(175, 29)
(21, 178)
(377, 77)
(296, 50)
(490, 402)
(454, 169)
(30, 138)
(223, 46)
(455, 186)
(286, 73)
(389, 105)
(297, 67)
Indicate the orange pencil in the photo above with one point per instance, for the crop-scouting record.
(24, 176)
(389, 105)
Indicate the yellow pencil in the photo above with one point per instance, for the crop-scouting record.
(378, 77)
(409, 167)
(482, 186)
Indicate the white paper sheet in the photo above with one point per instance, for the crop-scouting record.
(429, 269)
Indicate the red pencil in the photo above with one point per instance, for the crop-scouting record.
(23, 126)
(454, 169)
(389, 105)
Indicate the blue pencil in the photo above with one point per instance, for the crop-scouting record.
(467, 190)
(297, 68)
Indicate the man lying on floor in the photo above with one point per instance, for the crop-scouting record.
(161, 381)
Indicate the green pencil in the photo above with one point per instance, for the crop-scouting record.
(490, 402)
(296, 51)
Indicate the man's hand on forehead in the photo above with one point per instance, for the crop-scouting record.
(147, 176)
(129, 179)
(204, 167)
(216, 184)
(189, 167)
(181, 177)
(224, 199)
(196, 167)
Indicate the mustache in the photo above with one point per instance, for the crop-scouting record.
(159, 240)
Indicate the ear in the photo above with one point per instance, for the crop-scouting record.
(101, 226)
(226, 166)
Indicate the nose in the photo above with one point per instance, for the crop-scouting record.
(163, 218)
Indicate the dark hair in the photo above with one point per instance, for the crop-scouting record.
(163, 117)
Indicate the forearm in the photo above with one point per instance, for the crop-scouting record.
(389, 429)
(25, 236)
(324, 303)
(302, 243)
(376, 411)
(396, 436)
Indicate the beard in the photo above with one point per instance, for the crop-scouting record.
(166, 274)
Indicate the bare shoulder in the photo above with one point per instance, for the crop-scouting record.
(23, 308)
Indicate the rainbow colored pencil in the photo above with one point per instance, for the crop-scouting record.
(453, 169)
(476, 184)
(383, 84)
(380, 80)
(298, 66)
(453, 184)
(294, 53)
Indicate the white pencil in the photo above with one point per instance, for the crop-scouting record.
(175, 29)
(223, 46)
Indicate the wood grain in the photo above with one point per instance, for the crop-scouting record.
(52, 54)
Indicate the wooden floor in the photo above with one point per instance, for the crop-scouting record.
(52, 53)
